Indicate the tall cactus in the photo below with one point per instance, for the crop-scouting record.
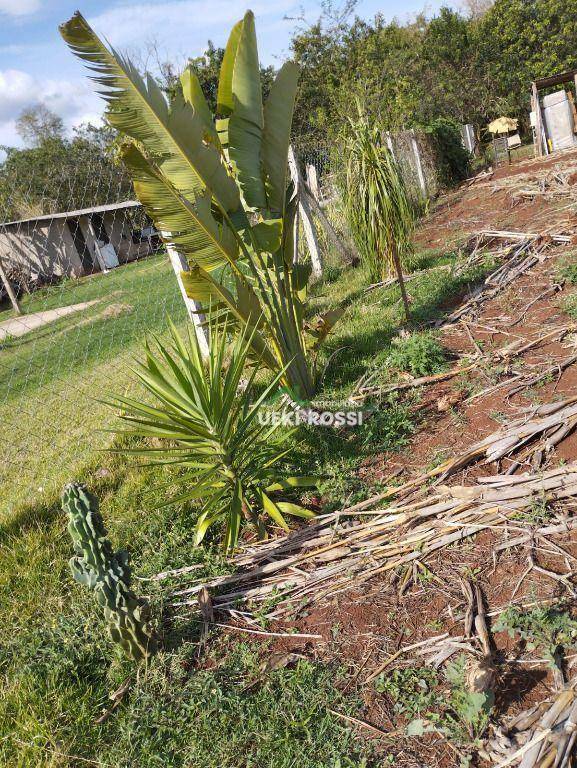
(98, 567)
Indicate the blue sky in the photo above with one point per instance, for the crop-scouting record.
(36, 66)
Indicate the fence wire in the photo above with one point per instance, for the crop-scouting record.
(91, 279)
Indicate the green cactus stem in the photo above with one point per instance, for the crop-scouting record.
(107, 573)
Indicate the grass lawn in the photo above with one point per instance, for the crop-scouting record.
(57, 663)
(51, 378)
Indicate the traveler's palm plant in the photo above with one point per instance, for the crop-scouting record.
(379, 211)
(207, 423)
(217, 189)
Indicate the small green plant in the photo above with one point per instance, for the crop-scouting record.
(569, 305)
(471, 709)
(388, 427)
(537, 514)
(567, 271)
(550, 630)
(420, 354)
(208, 423)
(413, 690)
(107, 573)
(417, 694)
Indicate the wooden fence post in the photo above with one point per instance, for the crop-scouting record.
(306, 216)
(390, 145)
(179, 264)
(9, 290)
(420, 174)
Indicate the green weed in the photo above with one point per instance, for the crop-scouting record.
(417, 694)
(550, 630)
(419, 354)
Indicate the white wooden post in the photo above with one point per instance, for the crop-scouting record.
(420, 174)
(9, 291)
(390, 145)
(306, 215)
(313, 181)
(180, 264)
(296, 237)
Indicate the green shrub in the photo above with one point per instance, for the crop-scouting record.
(205, 419)
(453, 160)
(419, 354)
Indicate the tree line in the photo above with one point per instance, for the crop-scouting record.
(434, 73)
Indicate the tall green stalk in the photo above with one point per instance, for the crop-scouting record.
(380, 214)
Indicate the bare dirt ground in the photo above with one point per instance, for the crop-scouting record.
(362, 628)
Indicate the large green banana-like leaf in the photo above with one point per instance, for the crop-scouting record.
(190, 227)
(224, 99)
(239, 312)
(193, 95)
(278, 115)
(174, 137)
(246, 121)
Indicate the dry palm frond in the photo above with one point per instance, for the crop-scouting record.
(337, 553)
(542, 736)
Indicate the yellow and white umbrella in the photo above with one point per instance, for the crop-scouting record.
(503, 125)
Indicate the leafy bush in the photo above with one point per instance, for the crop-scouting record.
(453, 160)
(420, 354)
(208, 424)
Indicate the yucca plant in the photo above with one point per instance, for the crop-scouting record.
(205, 420)
(216, 187)
(380, 214)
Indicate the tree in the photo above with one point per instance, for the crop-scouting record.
(38, 124)
(218, 191)
(62, 174)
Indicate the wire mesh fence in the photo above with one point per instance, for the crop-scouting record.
(91, 279)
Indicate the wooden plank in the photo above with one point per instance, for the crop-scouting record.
(305, 213)
(418, 163)
(180, 264)
(11, 295)
(313, 181)
(563, 77)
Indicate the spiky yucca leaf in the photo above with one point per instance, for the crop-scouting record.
(208, 423)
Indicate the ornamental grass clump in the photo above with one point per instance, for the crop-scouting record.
(379, 212)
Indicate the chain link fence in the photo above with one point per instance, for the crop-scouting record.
(89, 279)
(412, 149)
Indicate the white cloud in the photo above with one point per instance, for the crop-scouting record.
(180, 21)
(19, 7)
(74, 100)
